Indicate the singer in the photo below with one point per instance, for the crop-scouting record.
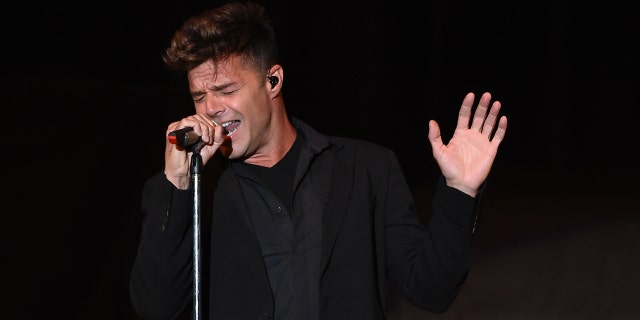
(304, 225)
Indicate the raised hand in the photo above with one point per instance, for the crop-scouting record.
(467, 159)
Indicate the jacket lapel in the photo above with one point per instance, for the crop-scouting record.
(232, 224)
(338, 186)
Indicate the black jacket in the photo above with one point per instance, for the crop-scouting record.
(371, 234)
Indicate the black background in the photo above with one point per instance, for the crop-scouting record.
(87, 100)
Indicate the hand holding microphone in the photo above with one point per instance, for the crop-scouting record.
(186, 137)
(185, 143)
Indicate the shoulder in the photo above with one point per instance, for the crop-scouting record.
(341, 145)
(357, 144)
(361, 151)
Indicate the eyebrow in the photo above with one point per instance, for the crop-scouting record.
(213, 88)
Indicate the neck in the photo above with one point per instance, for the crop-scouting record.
(281, 138)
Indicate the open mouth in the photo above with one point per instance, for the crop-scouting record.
(230, 127)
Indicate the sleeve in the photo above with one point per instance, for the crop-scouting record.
(160, 285)
(429, 262)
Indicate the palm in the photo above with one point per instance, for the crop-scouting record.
(466, 160)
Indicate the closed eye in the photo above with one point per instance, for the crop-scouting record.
(229, 92)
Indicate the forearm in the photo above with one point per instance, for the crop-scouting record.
(431, 262)
(161, 283)
(451, 236)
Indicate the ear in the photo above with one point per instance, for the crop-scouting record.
(275, 77)
(273, 80)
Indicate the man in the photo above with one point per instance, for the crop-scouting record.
(303, 225)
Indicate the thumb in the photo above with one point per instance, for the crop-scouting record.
(434, 135)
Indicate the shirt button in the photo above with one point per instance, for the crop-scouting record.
(280, 211)
(328, 303)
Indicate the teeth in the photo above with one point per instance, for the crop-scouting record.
(225, 125)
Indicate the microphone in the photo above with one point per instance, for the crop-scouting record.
(183, 137)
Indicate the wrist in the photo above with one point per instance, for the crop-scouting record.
(463, 188)
(180, 181)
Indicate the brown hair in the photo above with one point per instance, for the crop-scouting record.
(236, 28)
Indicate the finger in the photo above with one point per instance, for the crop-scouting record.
(206, 127)
(218, 135)
(188, 122)
(172, 127)
(500, 132)
(490, 122)
(465, 111)
(434, 135)
(481, 111)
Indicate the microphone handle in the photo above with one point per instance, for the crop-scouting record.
(184, 137)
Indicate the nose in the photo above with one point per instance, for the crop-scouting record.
(211, 107)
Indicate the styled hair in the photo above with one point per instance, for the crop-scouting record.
(236, 28)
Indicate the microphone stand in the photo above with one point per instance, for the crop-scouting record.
(196, 171)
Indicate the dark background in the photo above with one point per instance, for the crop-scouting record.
(87, 100)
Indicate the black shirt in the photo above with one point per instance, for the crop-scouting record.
(290, 240)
